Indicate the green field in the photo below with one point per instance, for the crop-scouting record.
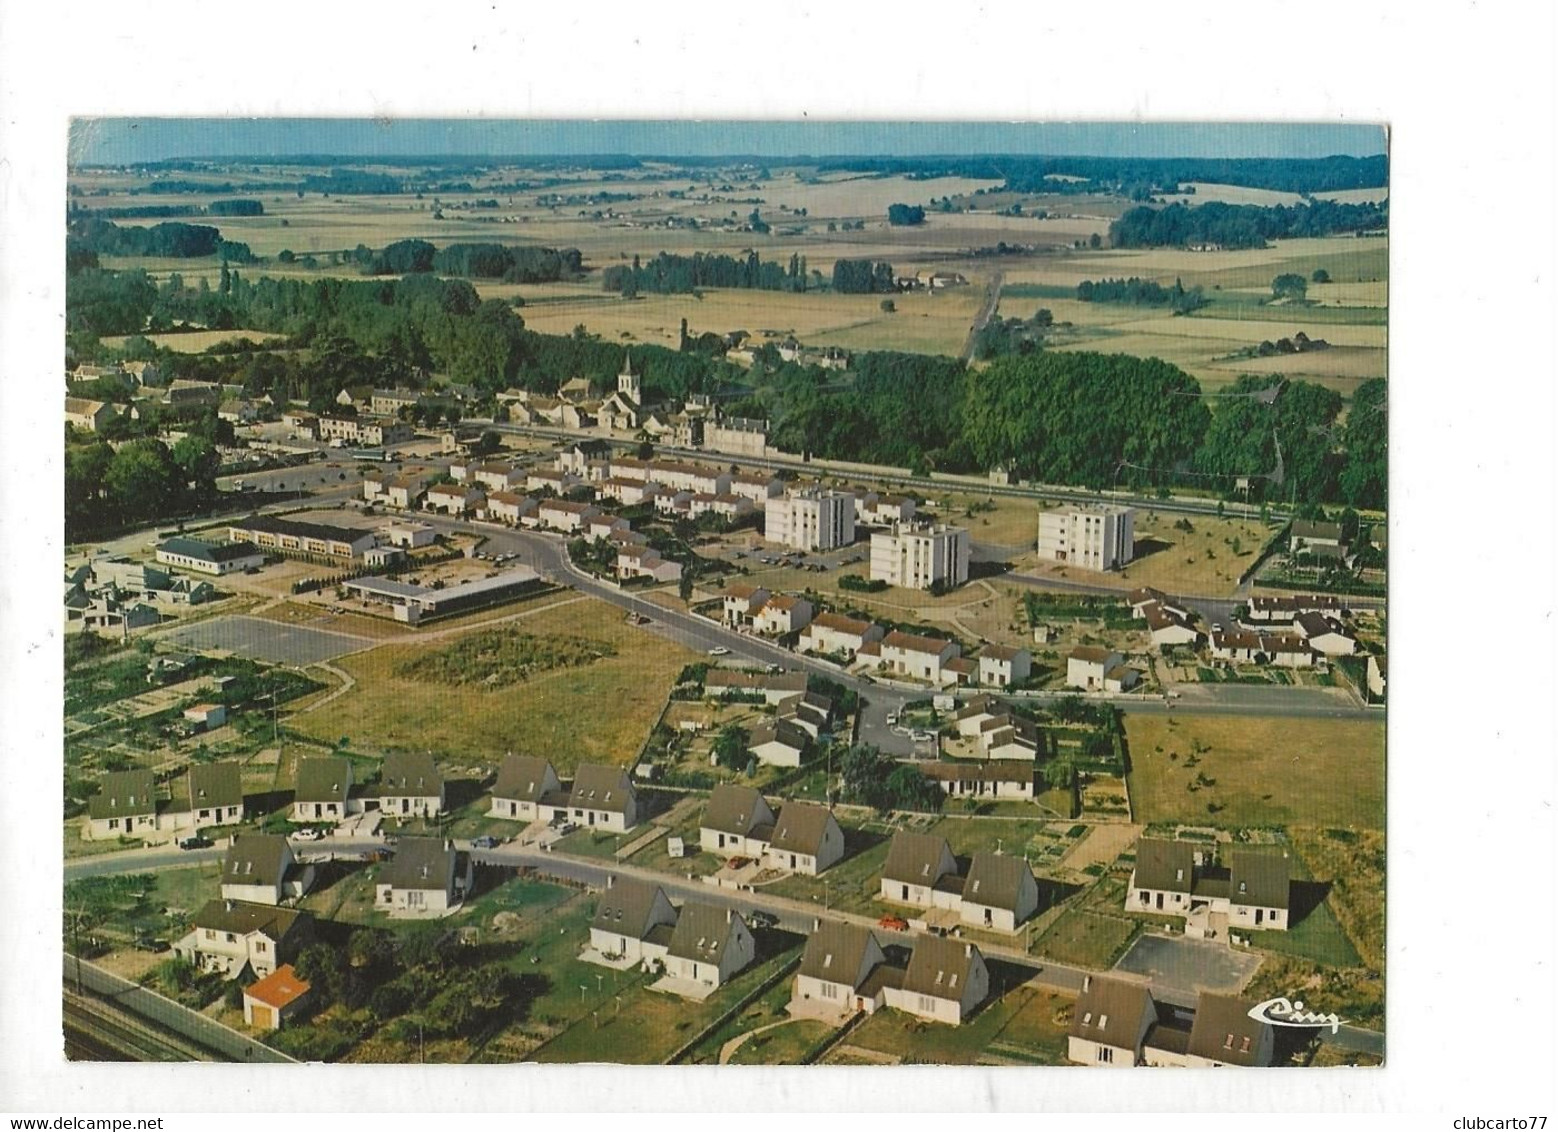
(1266, 771)
(1020, 1025)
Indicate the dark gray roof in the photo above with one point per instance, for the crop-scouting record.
(835, 952)
(523, 778)
(406, 772)
(785, 731)
(626, 906)
(996, 881)
(420, 862)
(1113, 1012)
(323, 780)
(1307, 528)
(255, 858)
(940, 967)
(125, 793)
(272, 525)
(242, 917)
(702, 931)
(916, 858)
(208, 551)
(736, 809)
(1165, 866)
(801, 827)
(1258, 877)
(215, 784)
(600, 787)
(1224, 1031)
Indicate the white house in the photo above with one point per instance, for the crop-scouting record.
(1002, 667)
(231, 936)
(645, 562)
(260, 869)
(324, 791)
(1086, 667)
(1325, 635)
(921, 870)
(737, 822)
(806, 839)
(709, 945)
(783, 613)
(410, 785)
(427, 877)
(1110, 1022)
(835, 975)
(511, 507)
(833, 634)
(454, 498)
(999, 893)
(634, 921)
(603, 797)
(777, 742)
(125, 805)
(946, 981)
(921, 658)
(992, 781)
(563, 515)
(217, 559)
(741, 604)
(1375, 676)
(524, 785)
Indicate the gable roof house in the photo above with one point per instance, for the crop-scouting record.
(741, 603)
(1309, 535)
(524, 784)
(427, 876)
(839, 972)
(1259, 886)
(1002, 667)
(709, 945)
(280, 995)
(1088, 667)
(738, 822)
(1163, 877)
(1167, 627)
(260, 868)
(1110, 1022)
(603, 796)
(410, 785)
(774, 687)
(125, 805)
(919, 657)
(215, 795)
(634, 923)
(1375, 677)
(806, 839)
(1325, 635)
(778, 742)
(982, 780)
(833, 633)
(945, 982)
(324, 791)
(920, 869)
(231, 936)
(1224, 1034)
(999, 892)
(783, 613)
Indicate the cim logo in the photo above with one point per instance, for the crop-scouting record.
(1284, 1012)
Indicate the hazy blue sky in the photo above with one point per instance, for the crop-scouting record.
(123, 140)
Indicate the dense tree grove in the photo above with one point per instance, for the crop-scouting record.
(1141, 293)
(1245, 432)
(863, 277)
(1241, 225)
(237, 206)
(1082, 418)
(512, 265)
(173, 240)
(905, 214)
(1365, 480)
(669, 274)
(144, 480)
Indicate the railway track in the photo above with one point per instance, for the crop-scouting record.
(96, 1031)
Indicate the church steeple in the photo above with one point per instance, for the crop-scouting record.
(630, 384)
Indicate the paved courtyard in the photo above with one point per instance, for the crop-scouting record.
(271, 641)
(1189, 965)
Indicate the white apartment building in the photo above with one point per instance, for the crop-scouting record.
(1095, 537)
(811, 519)
(918, 555)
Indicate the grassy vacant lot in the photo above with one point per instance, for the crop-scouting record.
(1086, 939)
(1022, 1025)
(601, 712)
(1264, 770)
(783, 1045)
(1353, 862)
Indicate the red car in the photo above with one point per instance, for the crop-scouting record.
(893, 923)
(737, 863)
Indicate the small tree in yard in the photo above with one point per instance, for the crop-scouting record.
(888, 306)
(730, 747)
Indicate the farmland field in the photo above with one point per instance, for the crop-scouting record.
(198, 341)
(1267, 771)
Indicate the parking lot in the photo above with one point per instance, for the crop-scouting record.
(1189, 965)
(269, 641)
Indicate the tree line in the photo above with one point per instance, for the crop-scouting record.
(864, 277)
(173, 240)
(1242, 225)
(524, 264)
(1141, 293)
(669, 274)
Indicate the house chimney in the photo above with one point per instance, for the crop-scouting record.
(968, 950)
(611, 881)
(816, 923)
(1087, 983)
(229, 905)
(730, 914)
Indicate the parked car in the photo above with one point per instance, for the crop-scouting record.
(893, 923)
(310, 834)
(892, 718)
(923, 736)
(196, 842)
(775, 669)
(719, 650)
(737, 863)
(484, 842)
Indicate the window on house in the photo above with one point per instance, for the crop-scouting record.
(1105, 1054)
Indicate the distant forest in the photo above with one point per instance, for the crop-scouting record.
(669, 274)
(1242, 225)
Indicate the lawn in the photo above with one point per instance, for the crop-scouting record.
(1020, 1025)
(600, 712)
(1317, 936)
(783, 1045)
(1086, 939)
(1264, 770)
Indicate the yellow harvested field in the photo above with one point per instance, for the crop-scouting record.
(1254, 331)
(198, 341)
(1356, 196)
(1343, 362)
(1206, 193)
(1370, 294)
(602, 711)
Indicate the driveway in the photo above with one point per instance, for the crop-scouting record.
(1187, 966)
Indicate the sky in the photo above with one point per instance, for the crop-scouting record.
(128, 140)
